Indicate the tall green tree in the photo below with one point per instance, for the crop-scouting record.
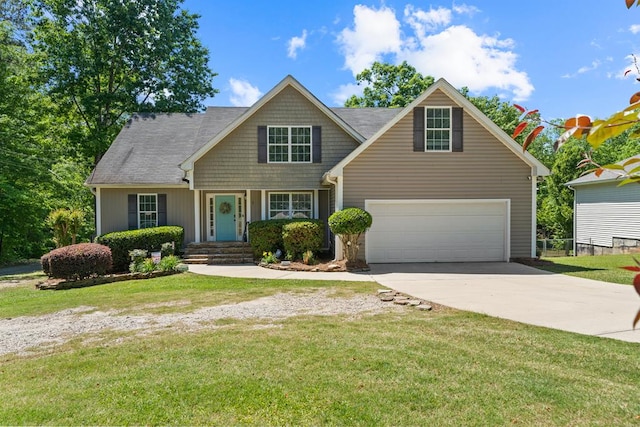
(388, 85)
(25, 149)
(107, 59)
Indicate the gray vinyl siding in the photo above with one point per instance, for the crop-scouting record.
(180, 209)
(486, 169)
(233, 162)
(605, 211)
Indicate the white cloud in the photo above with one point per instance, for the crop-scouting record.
(584, 69)
(295, 44)
(464, 58)
(375, 32)
(344, 92)
(635, 29)
(422, 21)
(429, 41)
(244, 94)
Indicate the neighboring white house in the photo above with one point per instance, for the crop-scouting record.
(606, 215)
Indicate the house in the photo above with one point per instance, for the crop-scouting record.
(442, 182)
(606, 215)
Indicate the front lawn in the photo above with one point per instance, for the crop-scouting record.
(406, 367)
(604, 267)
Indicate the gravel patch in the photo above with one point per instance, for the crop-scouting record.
(29, 334)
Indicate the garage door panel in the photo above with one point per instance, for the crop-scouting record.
(437, 231)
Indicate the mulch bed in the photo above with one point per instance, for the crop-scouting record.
(324, 265)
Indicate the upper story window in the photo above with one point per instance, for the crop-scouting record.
(438, 129)
(147, 210)
(289, 144)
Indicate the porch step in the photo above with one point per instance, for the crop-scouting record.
(218, 253)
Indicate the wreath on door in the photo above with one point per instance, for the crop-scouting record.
(225, 208)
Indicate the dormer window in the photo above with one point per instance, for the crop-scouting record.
(289, 144)
(438, 129)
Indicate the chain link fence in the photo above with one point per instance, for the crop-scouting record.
(554, 247)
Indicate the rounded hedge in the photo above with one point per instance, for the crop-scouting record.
(151, 239)
(350, 221)
(75, 262)
(299, 237)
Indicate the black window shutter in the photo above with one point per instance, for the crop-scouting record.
(418, 129)
(316, 138)
(262, 144)
(132, 210)
(162, 209)
(456, 122)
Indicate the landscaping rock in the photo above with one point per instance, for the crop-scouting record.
(387, 297)
(424, 307)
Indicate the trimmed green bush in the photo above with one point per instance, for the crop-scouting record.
(151, 239)
(168, 263)
(77, 262)
(299, 237)
(349, 224)
(266, 235)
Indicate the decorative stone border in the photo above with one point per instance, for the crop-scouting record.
(57, 284)
(395, 297)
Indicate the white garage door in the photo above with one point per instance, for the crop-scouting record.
(437, 230)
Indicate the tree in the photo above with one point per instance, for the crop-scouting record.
(349, 224)
(389, 85)
(108, 59)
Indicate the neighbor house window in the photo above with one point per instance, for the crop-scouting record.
(290, 205)
(438, 129)
(289, 144)
(147, 210)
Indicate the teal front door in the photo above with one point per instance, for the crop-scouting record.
(225, 218)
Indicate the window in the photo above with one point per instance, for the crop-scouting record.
(289, 144)
(147, 210)
(290, 205)
(438, 129)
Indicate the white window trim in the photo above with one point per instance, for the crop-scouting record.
(290, 193)
(435, 107)
(289, 144)
(138, 207)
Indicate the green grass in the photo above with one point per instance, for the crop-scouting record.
(403, 368)
(603, 267)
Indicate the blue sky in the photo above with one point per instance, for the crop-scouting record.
(563, 57)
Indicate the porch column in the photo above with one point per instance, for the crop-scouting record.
(316, 210)
(338, 207)
(263, 204)
(196, 206)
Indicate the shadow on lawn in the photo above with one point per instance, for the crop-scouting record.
(561, 268)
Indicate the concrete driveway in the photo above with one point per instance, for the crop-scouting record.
(507, 290)
(521, 293)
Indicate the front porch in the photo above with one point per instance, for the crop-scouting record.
(224, 215)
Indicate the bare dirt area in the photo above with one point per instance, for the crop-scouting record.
(28, 335)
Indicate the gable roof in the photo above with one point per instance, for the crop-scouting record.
(288, 81)
(606, 176)
(538, 168)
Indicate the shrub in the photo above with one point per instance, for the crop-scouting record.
(44, 262)
(148, 266)
(169, 263)
(269, 258)
(137, 257)
(349, 224)
(66, 224)
(150, 239)
(299, 237)
(309, 258)
(167, 249)
(79, 261)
